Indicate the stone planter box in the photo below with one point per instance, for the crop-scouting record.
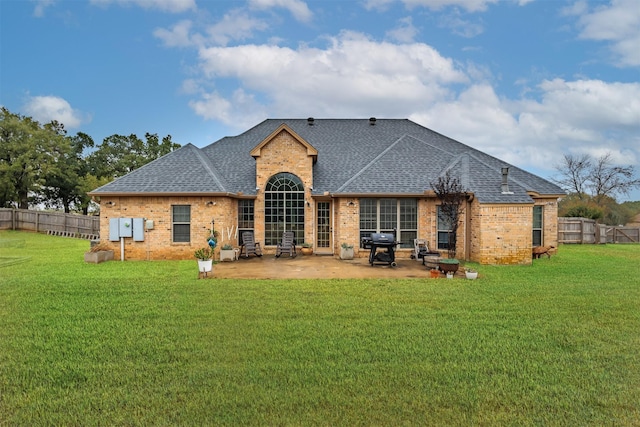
(228, 254)
(98, 256)
(346, 253)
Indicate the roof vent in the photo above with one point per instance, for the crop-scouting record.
(372, 121)
(310, 121)
(505, 181)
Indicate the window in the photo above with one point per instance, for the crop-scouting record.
(181, 222)
(385, 215)
(444, 229)
(245, 217)
(283, 208)
(537, 226)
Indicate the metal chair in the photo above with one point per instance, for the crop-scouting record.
(287, 245)
(249, 245)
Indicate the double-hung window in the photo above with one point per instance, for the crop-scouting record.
(385, 215)
(181, 223)
(537, 226)
(245, 217)
(444, 230)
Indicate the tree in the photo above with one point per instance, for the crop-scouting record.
(28, 152)
(63, 187)
(574, 173)
(118, 155)
(452, 195)
(598, 178)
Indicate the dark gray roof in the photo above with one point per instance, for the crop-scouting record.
(394, 156)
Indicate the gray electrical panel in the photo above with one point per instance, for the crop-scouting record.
(126, 227)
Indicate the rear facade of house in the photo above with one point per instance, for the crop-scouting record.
(330, 181)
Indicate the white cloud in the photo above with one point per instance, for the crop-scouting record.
(171, 6)
(298, 9)
(460, 26)
(177, 36)
(41, 5)
(350, 76)
(44, 109)
(617, 23)
(241, 110)
(405, 32)
(235, 25)
(468, 5)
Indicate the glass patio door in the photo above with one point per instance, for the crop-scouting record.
(324, 242)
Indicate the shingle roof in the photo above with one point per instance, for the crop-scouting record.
(394, 156)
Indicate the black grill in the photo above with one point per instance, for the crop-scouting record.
(383, 241)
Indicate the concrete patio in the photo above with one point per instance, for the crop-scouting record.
(319, 267)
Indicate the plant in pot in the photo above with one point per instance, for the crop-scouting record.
(306, 249)
(470, 273)
(227, 252)
(452, 196)
(205, 259)
(346, 251)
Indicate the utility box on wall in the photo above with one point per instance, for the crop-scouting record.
(126, 227)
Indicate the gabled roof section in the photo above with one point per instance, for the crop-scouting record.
(311, 151)
(186, 170)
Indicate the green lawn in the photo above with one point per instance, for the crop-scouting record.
(146, 343)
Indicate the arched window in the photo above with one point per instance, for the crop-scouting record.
(283, 208)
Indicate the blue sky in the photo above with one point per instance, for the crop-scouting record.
(525, 81)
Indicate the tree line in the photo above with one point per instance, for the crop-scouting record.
(40, 165)
(592, 185)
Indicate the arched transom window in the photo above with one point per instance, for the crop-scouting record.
(284, 208)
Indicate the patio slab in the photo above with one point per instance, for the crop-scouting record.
(317, 267)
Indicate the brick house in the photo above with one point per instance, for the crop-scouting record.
(329, 181)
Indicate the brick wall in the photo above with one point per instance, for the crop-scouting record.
(283, 154)
(158, 244)
(505, 234)
(490, 234)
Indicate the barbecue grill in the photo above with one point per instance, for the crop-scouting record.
(383, 241)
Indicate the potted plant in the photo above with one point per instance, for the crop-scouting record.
(212, 240)
(227, 252)
(346, 251)
(435, 273)
(448, 265)
(205, 259)
(471, 274)
(306, 249)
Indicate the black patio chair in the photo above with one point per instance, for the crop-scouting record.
(249, 245)
(287, 245)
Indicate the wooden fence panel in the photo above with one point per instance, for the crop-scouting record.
(623, 235)
(576, 230)
(43, 221)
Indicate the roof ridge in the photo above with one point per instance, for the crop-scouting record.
(463, 159)
(207, 165)
(510, 177)
(371, 163)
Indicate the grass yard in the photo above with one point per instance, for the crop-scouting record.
(146, 343)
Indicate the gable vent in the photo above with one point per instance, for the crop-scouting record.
(310, 121)
(372, 121)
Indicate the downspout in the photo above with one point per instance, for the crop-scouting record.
(333, 221)
(467, 230)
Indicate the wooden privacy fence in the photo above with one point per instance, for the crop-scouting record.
(622, 234)
(57, 223)
(585, 230)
